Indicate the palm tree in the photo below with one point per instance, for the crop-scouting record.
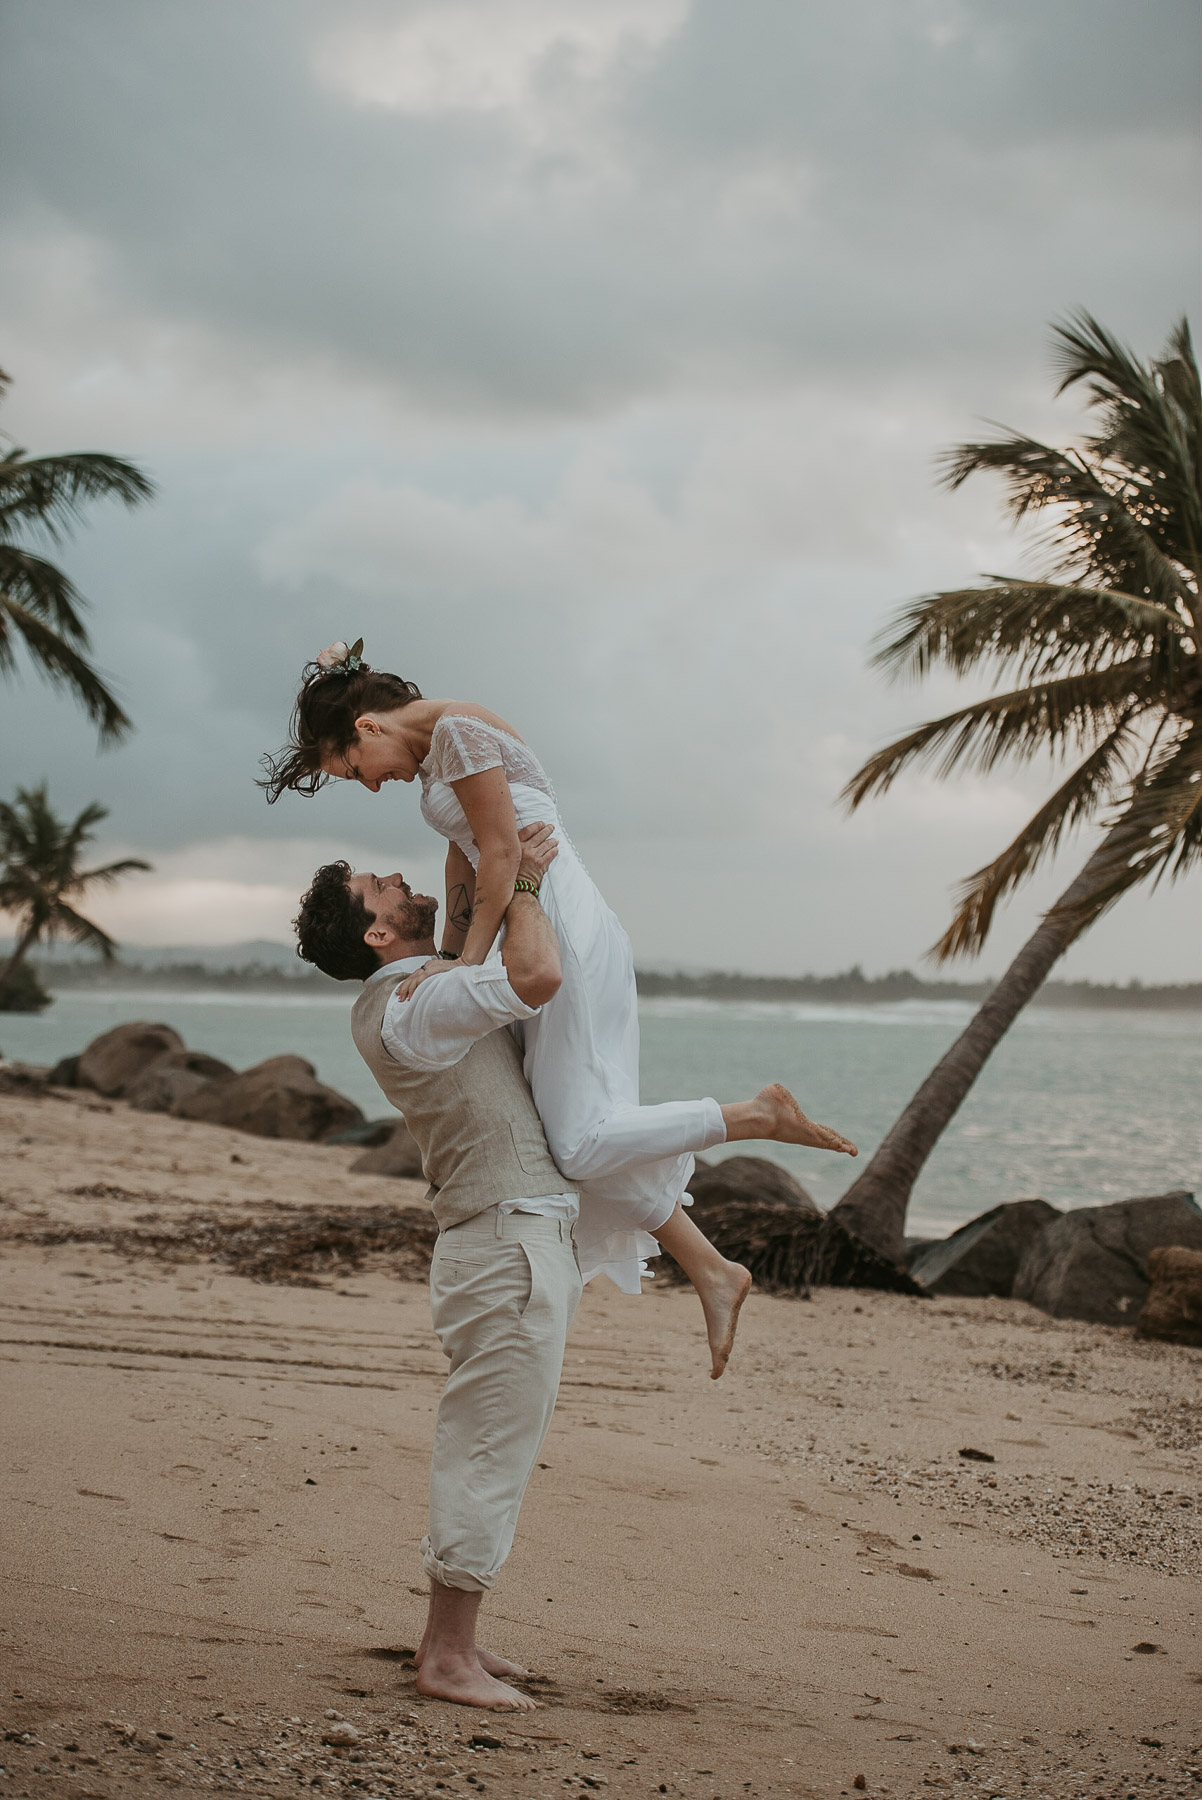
(38, 604)
(40, 876)
(1108, 659)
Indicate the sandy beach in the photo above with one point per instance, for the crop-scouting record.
(791, 1582)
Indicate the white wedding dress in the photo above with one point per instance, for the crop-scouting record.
(632, 1163)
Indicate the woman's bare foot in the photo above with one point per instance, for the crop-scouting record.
(492, 1665)
(785, 1123)
(722, 1292)
(461, 1679)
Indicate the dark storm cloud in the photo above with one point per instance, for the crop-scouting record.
(777, 185)
(589, 356)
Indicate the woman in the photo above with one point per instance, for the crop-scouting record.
(480, 784)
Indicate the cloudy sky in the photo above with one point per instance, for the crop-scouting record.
(588, 357)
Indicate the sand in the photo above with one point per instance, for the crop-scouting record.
(787, 1583)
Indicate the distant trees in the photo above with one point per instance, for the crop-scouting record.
(1109, 662)
(40, 878)
(39, 605)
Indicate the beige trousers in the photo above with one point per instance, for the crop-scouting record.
(503, 1291)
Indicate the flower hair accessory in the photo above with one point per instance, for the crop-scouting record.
(339, 660)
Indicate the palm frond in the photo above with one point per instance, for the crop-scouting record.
(43, 590)
(1059, 716)
(60, 663)
(66, 922)
(1159, 832)
(110, 872)
(1090, 786)
(1043, 627)
(50, 492)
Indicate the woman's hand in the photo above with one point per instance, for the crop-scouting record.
(411, 983)
(539, 851)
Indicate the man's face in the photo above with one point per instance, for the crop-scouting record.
(394, 906)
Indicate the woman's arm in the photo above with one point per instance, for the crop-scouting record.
(488, 808)
(461, 894)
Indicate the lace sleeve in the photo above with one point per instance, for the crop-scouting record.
(461, 746)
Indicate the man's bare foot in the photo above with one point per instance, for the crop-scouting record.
(789, 1125)
(492, 1665)
(721, 1294)
(462, 1680)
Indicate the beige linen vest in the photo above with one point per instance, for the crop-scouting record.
(475, 1123)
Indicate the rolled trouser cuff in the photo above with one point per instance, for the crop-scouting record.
(447, 1575)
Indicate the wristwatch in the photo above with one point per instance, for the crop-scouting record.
(448, 956)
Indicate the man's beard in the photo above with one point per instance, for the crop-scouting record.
(414, 919)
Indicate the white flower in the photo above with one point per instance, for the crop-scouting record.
(333, 657)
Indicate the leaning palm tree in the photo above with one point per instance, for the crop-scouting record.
(40, 876)
(1108, 658)
(38, 604)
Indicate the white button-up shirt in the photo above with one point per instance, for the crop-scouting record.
(439, 1025)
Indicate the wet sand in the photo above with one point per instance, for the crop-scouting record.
(790, 1582)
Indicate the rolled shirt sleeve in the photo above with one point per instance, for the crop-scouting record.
(449, 1013)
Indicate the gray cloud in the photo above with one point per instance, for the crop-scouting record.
(590, 358)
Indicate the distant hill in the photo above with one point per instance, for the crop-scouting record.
(263, 964)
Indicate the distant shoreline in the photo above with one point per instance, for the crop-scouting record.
(852, 987)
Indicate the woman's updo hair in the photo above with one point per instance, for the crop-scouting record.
(323, 723)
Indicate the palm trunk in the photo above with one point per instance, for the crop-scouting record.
(874, 1207)
(25, 944)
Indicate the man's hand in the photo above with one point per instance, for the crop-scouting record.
(539, 851)
(411, 983)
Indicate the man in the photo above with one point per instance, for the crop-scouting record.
(504, 1282)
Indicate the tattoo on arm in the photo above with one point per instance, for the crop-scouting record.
(459, 908)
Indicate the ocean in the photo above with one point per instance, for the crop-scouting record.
(1078, 1107)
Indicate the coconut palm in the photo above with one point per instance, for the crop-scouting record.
(40, 876)
(38, 604)
(1108, 662)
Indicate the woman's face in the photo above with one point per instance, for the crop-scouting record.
(378, 754)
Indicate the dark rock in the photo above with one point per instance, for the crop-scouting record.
(915, 1247)
(369, 1134)
(173, 1077)
(65, 1074)
(23, 1078)
(398, 1155)
(757, 1214)
(118, 1057)
(1173, 1308)
(280, 1098)
(1093, 1263)
(983, 1256)
(23, 992)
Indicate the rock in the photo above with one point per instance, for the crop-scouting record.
(755, 1213)
(397, 1155)
(983, 1256)
(65, 1073)
(23, 1078)
(280, 1098)
(748, 1180)
(341, 1734)
(915, 1247)
(1173, 1308)
(368, 1135)
(173, 1077)
(1093, 1263)
(117, 1057)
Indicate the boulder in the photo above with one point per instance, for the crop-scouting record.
(748, 1181)
(367, 1135)
(117, 1057)
(65, 1072)
(397, 1155)
(983, 1256)
(280, 1098)
(172, 1078)
(23, 1078)
(1093, 1263)
(1173, 1308)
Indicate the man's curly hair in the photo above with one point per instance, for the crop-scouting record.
(330, 926)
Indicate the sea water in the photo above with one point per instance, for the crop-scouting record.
(1079, 1107)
